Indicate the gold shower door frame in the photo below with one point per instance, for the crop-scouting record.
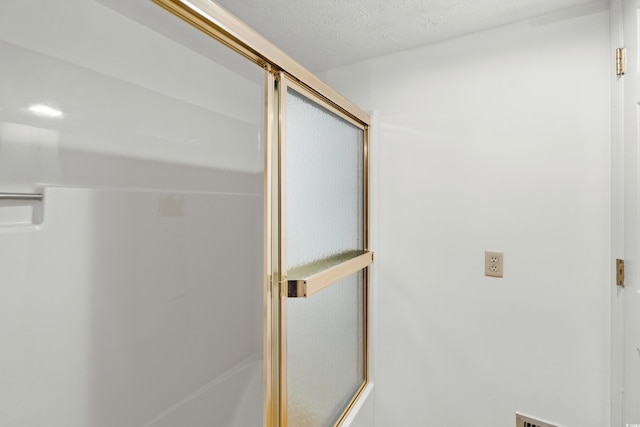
(292, 287)
(282, 72)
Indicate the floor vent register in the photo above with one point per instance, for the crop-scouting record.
(527, 421)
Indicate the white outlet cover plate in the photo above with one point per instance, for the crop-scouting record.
(493, 264)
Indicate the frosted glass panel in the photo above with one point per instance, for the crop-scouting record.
(324, 183)
(325, 352)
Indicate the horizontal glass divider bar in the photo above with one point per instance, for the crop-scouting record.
(21, 196)
(304, 287)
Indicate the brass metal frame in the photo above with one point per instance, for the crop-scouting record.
(283, 295)
(271, 268)
(282, 72)
(268, 233)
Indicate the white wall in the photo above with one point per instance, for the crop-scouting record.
(495, 141)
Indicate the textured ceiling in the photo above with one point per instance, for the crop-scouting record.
(323, 34)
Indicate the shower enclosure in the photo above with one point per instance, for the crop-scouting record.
(183, 226)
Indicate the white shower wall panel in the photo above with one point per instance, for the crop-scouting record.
(108, 125)
(132, 295)
(125, 307)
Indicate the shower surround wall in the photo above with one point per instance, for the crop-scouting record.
(495, 141)
(132, 295)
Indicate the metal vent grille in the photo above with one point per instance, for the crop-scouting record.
(527, 421)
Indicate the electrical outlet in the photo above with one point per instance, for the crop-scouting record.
(493, 264)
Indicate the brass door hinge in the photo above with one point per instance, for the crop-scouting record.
(620, 272)
(620, 61)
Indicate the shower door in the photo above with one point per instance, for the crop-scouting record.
(183, 230)
(323, 258)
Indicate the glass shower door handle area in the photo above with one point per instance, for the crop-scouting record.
(310, 279)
